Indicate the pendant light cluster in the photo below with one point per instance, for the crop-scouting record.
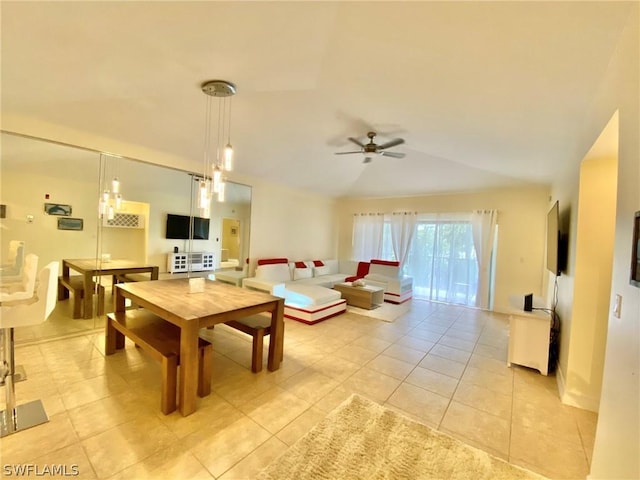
(111, 197)
(218, 152)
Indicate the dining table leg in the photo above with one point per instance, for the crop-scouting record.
(188, 367)
(276, 342)
(88, 295)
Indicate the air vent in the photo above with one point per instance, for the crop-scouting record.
(124, 220)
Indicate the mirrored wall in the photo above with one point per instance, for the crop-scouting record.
(62, 204)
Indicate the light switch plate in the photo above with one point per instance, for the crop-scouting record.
(617, 306)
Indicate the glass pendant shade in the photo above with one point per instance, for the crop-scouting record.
(217, 179)
(105, 196)
(118, 201)
(203, 198)
(221, 189)
(228, 157)
(110, 212)
(115, 185)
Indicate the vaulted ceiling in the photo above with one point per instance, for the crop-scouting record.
(485, 94)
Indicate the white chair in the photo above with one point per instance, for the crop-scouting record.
(23, 287)
(11, 266)
(22, 313)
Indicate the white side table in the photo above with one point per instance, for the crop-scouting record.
(529, 339)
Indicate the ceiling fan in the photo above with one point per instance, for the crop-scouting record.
(370, 149)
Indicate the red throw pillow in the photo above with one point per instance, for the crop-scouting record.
(271, 261)
(301, 265)
(318, 263)
(363, 269)
(385, 262)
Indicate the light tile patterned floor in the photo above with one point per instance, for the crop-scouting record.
(441, 365)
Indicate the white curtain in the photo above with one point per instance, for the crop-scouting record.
(367, 236)
(403, 226)
(483, 223)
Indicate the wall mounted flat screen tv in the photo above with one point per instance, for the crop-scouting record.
(178, 227)
(556, 242)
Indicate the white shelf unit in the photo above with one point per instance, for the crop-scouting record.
(199, 262)
(529, 339)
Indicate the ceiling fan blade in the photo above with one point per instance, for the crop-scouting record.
(347, 153)
(392, 143)
(357, 142)
(366, 160)
(392, 154)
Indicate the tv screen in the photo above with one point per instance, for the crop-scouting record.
(178, 227)
(554, 247)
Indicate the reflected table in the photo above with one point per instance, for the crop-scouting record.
(216, 303)
(90, 267)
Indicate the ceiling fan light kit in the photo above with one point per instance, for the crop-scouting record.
(371, 148)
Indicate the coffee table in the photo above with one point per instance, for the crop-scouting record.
(367, 297)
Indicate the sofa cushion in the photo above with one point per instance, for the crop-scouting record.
(333, 266)
(319, 271)
(384, 270)
(318, 263)
(276, 271)
(363, 269)
(306, 295)
(300, 273)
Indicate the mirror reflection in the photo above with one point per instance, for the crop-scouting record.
(107, 219)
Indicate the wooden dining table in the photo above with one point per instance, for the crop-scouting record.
(91, 267)
(216, 303)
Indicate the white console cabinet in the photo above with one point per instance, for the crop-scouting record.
(529, 338)
(194, 261)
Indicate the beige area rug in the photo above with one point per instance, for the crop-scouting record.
(387, 312)
(363, 440)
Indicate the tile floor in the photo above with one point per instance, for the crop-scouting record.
(442, 365)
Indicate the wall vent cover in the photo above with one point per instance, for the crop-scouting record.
(125, 220)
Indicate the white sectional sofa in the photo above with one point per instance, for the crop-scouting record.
(307, 285)
(276, 271)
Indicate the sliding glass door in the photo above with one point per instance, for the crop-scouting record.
(441, 258)
(442, 262)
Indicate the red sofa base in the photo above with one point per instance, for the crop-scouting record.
(311, 315)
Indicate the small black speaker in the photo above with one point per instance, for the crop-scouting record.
(528, 302)
(175, 249)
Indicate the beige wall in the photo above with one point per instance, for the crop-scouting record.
(617, 443)
(522, 217)
(291, 223)
(592, 281)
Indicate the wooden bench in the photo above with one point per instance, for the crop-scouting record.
(161, 340)
(130, 277)
(75, 285)
(257, 326)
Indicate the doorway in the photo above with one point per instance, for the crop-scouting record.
(230, 251)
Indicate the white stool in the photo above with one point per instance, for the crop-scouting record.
(22, 313)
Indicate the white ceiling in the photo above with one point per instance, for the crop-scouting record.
(486, 94)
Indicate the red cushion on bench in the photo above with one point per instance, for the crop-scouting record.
(301, 265)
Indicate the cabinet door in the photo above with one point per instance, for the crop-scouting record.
(529, 341)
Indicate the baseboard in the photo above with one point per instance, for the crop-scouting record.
(575, 399)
